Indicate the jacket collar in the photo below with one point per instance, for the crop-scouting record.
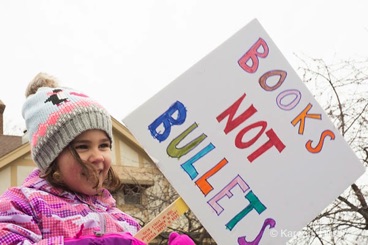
(34, 181)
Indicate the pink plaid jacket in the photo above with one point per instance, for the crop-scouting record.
(38, 213)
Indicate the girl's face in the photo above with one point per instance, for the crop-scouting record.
(93, 147)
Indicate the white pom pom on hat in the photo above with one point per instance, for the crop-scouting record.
(55, 115)
(41, 80)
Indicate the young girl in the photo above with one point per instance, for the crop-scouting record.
(66, 199)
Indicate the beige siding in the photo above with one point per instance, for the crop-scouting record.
(5, 177)
(128, 155)
(22, 173)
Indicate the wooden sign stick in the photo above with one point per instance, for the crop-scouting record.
(163, 220)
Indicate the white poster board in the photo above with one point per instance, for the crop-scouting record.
(245, 144)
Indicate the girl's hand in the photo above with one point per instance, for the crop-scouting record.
(177, 239)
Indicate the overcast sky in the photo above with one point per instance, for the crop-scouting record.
(123, 52)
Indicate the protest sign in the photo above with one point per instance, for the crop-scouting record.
(245, 144)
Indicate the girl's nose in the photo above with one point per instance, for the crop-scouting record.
(96, 157)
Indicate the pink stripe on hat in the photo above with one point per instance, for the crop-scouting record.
(53, 118)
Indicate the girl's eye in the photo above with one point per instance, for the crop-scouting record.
(81, 147)
(105, 145)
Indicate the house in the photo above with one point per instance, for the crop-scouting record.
(145, 191)
(131, 163)
(16, 162)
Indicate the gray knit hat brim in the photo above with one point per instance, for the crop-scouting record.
(61, 136)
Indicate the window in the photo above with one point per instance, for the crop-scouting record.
(133, 193)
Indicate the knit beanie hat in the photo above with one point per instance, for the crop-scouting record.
(55, 115)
